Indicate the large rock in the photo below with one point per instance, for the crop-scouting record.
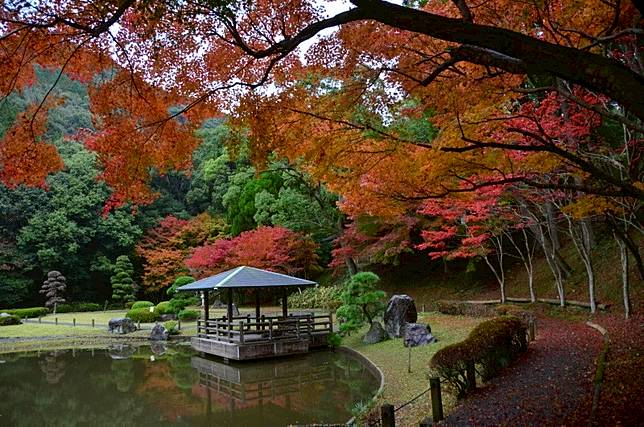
(417, 334)
(159, 333)
(121, 325)
(400, 310)
(376, 334)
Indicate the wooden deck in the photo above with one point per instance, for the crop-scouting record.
(246, 338)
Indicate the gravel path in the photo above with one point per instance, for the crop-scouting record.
(544, 387)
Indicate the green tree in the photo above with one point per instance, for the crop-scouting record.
(361, 301)
(181, 300)
(122, 283)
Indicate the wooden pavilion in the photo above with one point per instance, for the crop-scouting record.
(246, 337)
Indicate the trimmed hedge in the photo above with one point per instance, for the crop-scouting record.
(27, 312)
(188, 314)
(459, 308)
(9, 320)
(143, 315)
(142, 304)
(78, 307)
(490, 346)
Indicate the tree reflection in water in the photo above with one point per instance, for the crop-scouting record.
(136, 385)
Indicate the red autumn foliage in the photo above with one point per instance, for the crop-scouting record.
(273, 248)
(164, 248)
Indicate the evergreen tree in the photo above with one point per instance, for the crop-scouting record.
(122, 283)
(53, 289)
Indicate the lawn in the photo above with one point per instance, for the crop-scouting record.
(391, 357)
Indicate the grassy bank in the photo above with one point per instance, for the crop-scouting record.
(392, 358)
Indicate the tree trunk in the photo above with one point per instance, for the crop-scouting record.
(351, 266)
(623, 252)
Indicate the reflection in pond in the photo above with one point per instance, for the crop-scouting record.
(143, 386)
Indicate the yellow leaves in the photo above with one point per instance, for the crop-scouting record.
(591, 205)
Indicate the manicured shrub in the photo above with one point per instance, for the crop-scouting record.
(172, 327)
(143, 315)
(9, 320)
(187, 314)
(27, 312)
(179, 303)
(325, 297)
(79, 307)
(490, 346)
(166, 307)
(142, 304)
(128, 305)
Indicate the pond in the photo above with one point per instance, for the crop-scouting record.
(141, 386)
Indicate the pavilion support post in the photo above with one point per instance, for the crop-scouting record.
(230, 305)
(284, 305)
(257, 314)
(206, 306)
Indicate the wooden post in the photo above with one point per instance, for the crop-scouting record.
(241, 331)
(138, 325)
(93, 323)
(437, 401)
(39, 319)
(179, 324)
(470, 375)
(532, 330)
(56, 321)
(206, 306)
(263, 320)
(257, 308)
(270, 329)
(74, 321)
(284, 304)
(229, 311)
(387, 415)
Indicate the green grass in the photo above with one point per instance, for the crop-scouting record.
(392, 358)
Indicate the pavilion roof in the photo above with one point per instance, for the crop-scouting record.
(245, 277)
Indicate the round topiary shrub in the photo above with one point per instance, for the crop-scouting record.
(188, 314)
(166, 307)
(142, 304)
(9, 320)
(143, 315)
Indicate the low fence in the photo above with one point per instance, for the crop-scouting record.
(93, 323)
(388, 411)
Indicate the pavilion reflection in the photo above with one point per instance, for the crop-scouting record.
(246, 385)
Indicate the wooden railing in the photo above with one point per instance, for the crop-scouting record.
(246, 329)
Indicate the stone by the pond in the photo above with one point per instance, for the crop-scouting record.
(166, 317)
(121, 325)
(376, 334)
(158, 348)
(159, 333)
(121, 351)
(417, 334)
(5, 315)
(400, 310)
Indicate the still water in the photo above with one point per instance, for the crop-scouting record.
(144, 386)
